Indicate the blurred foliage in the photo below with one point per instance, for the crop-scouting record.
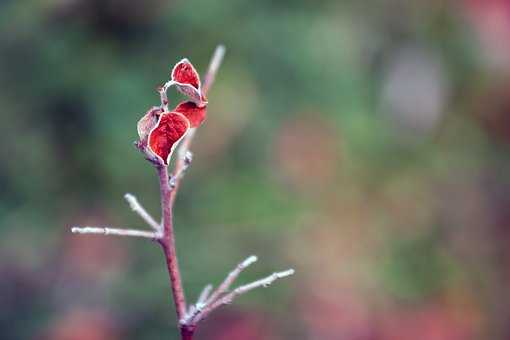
(364, 143)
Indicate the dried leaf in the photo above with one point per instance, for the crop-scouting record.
(148, 122)
(165, 136)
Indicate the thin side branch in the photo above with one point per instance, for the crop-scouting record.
(214, 65)
(163, 95)
(115, 231)
(228, 298)
(139, 209)
(205, 300)
(187, 157)
(204, 294)
(265, 282)
(231, 277)
(193, 310)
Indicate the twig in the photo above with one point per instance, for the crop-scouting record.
(214, 65)
(231, 277)
(204, 294)
(163, 95)
(187, 157)
(184, 158)
(139, 209)
(115, 231)
(204, 300)
(193, 310)
(228, 298)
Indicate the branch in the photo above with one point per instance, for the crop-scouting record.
(168, 244)
(137, 208)
(205, 293)
(228, 298)
(115, 231)
(163, 95)
(203, 300)
(169, 191)
(187, 157)
(231, 277)
(214, 65)
(193, 310)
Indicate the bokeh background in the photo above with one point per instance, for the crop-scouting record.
(364, 143)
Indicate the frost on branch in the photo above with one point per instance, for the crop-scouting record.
(222, 295)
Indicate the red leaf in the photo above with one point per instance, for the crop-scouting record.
(184, 73)
(170, 129)
(187, 81)
(195, 114)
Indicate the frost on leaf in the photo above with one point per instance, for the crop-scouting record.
(185, 73)
(169, 130)
(148, 122)
(194, 113)
(187, 81)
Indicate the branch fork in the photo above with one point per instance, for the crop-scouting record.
(206, 302)
(163, 233)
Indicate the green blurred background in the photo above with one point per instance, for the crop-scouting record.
(364, 143)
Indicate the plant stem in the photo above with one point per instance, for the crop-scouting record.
(187, 332)
(168, 196)
(167, 242)
(214, 65)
